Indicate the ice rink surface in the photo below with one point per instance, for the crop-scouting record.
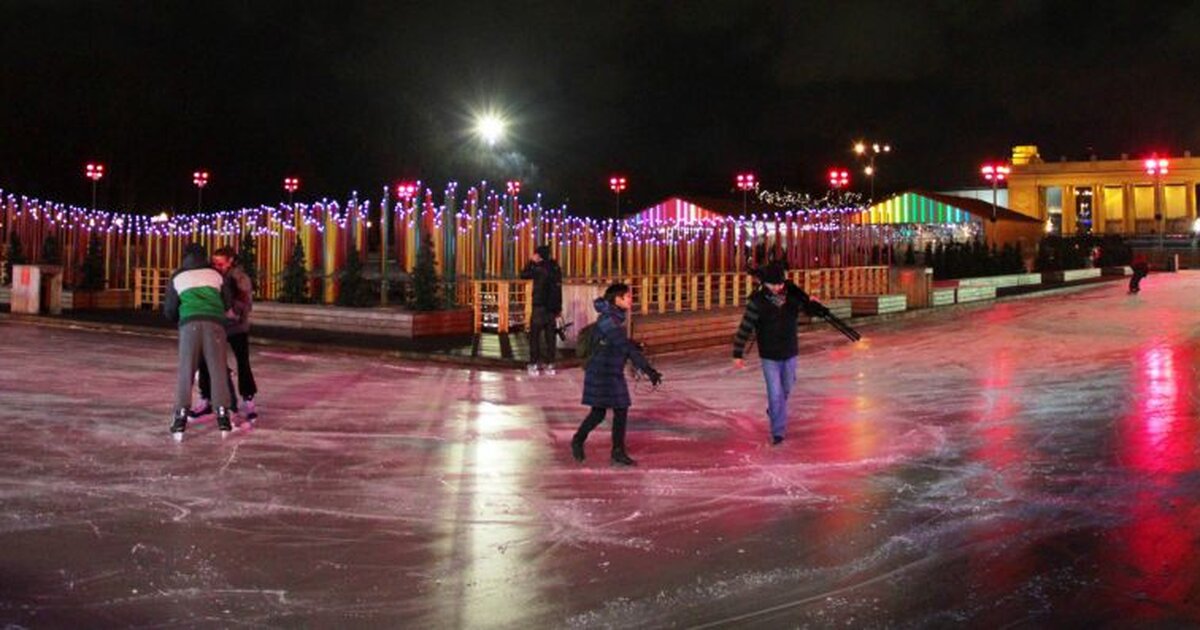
(1027, 463)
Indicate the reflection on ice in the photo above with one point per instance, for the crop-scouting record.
(1030, 462)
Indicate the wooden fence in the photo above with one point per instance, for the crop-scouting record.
(507, 304)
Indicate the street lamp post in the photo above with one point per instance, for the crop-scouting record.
(291, 185)
(200, 179)
(745, 183)
(1156, 167)
(995, 173)
(839, 178)
(404, 192)
(869, 152)
(94, 172)
(617, 184)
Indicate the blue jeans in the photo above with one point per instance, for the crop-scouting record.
(780, 376)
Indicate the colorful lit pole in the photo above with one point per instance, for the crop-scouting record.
(1156, 167)
(200, 179)
(995, 173)
(745, 183)
(869, 152)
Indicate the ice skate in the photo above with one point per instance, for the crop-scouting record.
(249, 411)
(577, 449)
(223, 422)
(179, 424)
(549, 370)
(202, 408)
(620, 458)
(532, 368)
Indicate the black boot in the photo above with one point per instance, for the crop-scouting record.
(618, 438)
(593, 419)
(577, 446)
(620, 458)
(223, 421)
(179, 423)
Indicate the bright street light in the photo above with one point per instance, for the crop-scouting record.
(490, 128)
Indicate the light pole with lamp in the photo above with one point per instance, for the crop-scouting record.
(995, 173)
(200, 179)
(617, 184)
(94, 172)
(291, 185)
(869, 153)
(745, 183)
(1156, 167)
(404, 192)
(839, 178)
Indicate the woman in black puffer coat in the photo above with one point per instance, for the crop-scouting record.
(604, 384)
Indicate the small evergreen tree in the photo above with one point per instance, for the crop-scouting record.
(295, 277)
(910, 256)
(354, 290)
(248, 259)
(51, 252)
(425, 285)
(91, 271)
(928, 261)
(13, 256)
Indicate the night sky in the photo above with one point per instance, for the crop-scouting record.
(679, 96)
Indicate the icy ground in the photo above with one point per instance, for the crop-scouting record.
(1031, 462)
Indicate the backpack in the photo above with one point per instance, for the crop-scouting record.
(588, 343)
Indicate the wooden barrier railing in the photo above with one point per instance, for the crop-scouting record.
(503, 304)
(495, 301)
(149, 285)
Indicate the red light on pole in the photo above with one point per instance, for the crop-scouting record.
(839, 178)
(1157, 166)
(406, 191)
(617, 184)
(291, 185)
(995, 173)
(94, 171)
(200, 179)
(745, 183)
(514, 187)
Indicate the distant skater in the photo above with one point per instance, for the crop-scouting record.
(1141, 269)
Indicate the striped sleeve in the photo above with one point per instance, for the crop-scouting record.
(749, 322)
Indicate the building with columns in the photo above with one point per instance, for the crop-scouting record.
(1104, 196)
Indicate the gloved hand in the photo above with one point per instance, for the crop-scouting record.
(655, 377)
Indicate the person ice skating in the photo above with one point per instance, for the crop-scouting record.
(197, 298)
(772, 316)
(237, 331)
(604, 385)
(1141, 269)
(547, 306)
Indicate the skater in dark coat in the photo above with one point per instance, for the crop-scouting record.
(771, 318)
(547, 306)
(1141, 269)
(604, 385)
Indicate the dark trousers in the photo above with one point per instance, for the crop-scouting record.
(542, 342)
(240, 344)
(593, 420)
(1136, 281)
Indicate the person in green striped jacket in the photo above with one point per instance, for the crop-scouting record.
(197, 298)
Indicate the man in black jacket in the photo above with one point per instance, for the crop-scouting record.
(547, 306)
(772, 316)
